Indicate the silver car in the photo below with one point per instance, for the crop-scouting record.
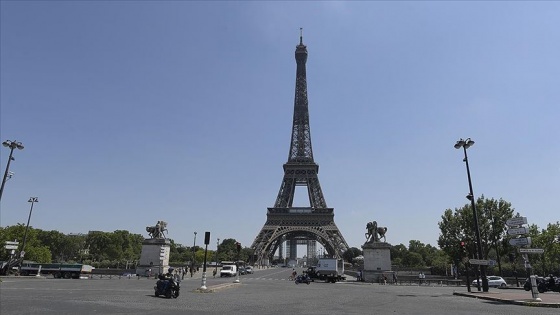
(493, 281)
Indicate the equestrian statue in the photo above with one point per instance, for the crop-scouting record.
(374, 233)
(157, 230)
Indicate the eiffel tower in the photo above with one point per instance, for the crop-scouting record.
(290, 225)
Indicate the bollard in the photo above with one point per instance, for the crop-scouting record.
(534, 290)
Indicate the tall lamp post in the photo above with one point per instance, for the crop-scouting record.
(12, 145)
(33, 200)
(193, 253)
(465, 144)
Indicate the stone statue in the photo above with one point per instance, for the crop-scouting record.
(157, 230)
(374, 233)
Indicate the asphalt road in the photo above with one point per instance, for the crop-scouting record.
(265, 292)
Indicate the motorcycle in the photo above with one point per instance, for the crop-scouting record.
(168, 287)
(527, 286)
(303, 279)
(549, 283)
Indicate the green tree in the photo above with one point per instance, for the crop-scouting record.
(398, 252)
(458, 226)
(228, 250)
(547, 239)
(351, 253)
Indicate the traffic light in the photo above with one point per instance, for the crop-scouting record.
(238, 246)
(463, 248)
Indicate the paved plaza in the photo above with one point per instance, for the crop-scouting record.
(265, 292)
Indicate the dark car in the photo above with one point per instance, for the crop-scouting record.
(242, 271)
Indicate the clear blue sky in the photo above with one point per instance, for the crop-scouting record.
(137, 111)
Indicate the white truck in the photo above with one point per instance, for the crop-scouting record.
(229, 269)
(330, 269)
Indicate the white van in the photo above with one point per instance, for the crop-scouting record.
(228, 271)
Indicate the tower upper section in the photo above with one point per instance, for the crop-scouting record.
(300, 147)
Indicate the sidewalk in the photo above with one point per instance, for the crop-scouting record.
(516, 296)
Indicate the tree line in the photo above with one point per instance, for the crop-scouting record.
(457, 244)
(118, 249)
(458, 239)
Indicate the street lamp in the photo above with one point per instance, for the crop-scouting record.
(193, 252)
(33, 200)
(465, 144)
(217, 248)
(12, 145)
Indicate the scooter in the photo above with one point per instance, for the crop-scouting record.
(550, 283)
(303, 279)
(168, 287)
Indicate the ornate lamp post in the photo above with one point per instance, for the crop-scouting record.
(12, 145)
(465, 144)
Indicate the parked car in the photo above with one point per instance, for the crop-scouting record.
(493, 281)
(249, 269)
(242, 271)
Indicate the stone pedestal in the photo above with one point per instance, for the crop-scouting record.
(377, 261)
(154, 258)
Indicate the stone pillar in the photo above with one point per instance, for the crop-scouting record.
(377, 261)
(155, 257)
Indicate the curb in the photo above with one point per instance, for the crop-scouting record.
(216, 288)
(507, 301)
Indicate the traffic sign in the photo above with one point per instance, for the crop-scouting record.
(517, 231)
(12, 243)
(516, 221)
(478, 262)
(11, 247)
(520, 241)
(531, 250)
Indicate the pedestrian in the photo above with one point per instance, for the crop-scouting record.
(420, 278)
(394, 277)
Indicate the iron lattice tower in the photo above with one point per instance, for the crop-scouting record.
(299, 225)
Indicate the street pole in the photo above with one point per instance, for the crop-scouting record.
(12, 145)
(217, 248)
(466, 144)
(206, 242)
(237, 262)
(193, 255)
(495, 242)
(33, 200)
